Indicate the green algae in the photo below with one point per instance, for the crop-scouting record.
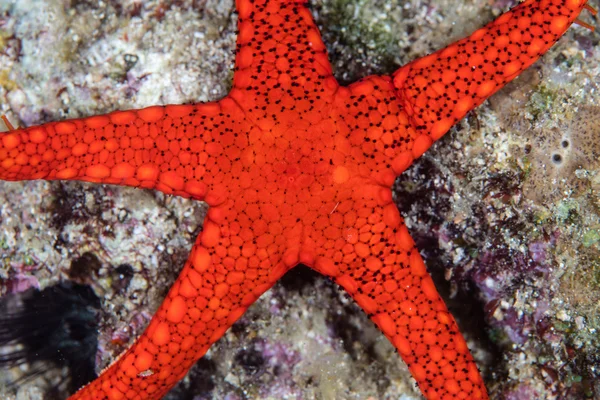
(591, 238)
(4, 36)
(567, 211)
(363, 28)
(541, 102)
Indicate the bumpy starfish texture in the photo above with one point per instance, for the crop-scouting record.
(295, 169)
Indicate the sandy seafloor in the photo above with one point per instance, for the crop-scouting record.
(511, 234)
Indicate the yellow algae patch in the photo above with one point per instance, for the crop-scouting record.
(5, 81)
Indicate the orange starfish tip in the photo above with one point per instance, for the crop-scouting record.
(591, 9)
(585, 25)
(579, 22)
(9, 126)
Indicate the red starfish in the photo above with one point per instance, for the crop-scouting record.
(296, 169)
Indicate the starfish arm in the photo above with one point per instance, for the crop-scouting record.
(378, 264)
(281, 65)
(223, 276)
(404, 303)
(178, 149)
(440, 89)
(370, 119)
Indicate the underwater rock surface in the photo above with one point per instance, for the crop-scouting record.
(510, 233)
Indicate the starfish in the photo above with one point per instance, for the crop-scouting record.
(296, 169)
